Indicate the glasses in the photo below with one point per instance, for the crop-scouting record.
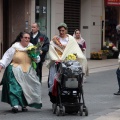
(26, 37)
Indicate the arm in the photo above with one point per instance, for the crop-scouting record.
(7, 58)
(84, 46)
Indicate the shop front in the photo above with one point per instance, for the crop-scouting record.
(112, 18)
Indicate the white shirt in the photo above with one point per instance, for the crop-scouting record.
(64, 41)
(34, 35)
(8, 55)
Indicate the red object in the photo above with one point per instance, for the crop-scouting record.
(54, 89)
(41, 39)
(112, 2)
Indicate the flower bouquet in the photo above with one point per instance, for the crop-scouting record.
(33, 54)
(71, 57)
(40, 43)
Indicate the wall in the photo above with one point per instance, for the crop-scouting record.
(17, 18)
(85, 21)
(1, 27)
(57, 15)
(91, 16)
(18, 15)
(96, 30)
(32, 12)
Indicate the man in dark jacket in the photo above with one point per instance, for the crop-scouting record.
(118, 70)
(36, 35)
(118, 36)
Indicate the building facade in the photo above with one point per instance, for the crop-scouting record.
(90, 16)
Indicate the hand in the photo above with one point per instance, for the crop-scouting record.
(34, 59)
(41, 51)
(0, 68)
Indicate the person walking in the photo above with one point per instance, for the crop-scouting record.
(35, 37)
(118, 77)
(81, 42)
(21, 86)
(118, 70)
(60, 47)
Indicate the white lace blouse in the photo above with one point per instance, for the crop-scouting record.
(8, 55)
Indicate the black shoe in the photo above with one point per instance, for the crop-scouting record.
(24, 109)
(117, 93)
(14, 110)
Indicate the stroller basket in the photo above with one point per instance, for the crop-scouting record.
(70, 74)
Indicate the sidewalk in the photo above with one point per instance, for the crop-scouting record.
(94, 66)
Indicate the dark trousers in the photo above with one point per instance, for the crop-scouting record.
(118, 77)
(39, 70)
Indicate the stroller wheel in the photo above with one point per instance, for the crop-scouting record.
(57, 110)
(54, 108)
(80, 113)
(86, 111)
(81, 110)
(63, 110)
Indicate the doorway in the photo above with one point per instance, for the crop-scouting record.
(111, 21)
(5, 25)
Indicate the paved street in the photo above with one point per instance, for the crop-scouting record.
(98, 93)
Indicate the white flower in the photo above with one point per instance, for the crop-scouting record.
(115, 48)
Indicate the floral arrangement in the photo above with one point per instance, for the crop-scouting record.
(102, 54)
(109, 46)
(33, 53)
(40, 43)
(71, 57)
(96, 55)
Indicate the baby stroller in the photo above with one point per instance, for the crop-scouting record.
(68, 89)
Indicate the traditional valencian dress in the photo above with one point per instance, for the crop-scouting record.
(21, 85)
(56, 53)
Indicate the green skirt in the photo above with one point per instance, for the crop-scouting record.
(12, 92)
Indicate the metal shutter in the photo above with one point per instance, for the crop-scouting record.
(72, 14)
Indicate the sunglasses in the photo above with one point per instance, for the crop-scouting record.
(26, 37)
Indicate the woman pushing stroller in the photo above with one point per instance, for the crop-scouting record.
(60, 47)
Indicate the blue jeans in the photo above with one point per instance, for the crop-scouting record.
(118, 77)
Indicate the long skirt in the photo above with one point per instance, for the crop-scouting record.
(12, 92)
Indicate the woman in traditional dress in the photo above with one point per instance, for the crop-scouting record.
(21, 86)
(80, 40)
(60, 47)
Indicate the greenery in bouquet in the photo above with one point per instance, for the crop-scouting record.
(33, 54)
(71, 57)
